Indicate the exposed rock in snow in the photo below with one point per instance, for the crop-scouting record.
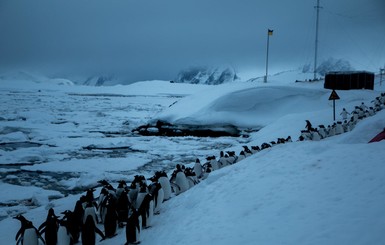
(207, 75)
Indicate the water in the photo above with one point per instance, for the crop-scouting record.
(40, 127)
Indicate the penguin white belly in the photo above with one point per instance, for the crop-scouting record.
(139, 199)
(150, 213)
(214, 164)
(30, 237)
(198, 169)
(165, 183)
(63, 237)
(90, 211)
(182, 182)
(159, 201)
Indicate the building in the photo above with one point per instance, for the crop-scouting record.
(345, 80)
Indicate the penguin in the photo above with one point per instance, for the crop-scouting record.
(222, 160)
(133, 228)
(339, 128)
(181, 182)
(214, 163)
(158, 198)
(50, 227)
(64, 233)
(247, 151)
(142, 193)
(255, 149)
(322, 131)
(198, 168)
(165, 183)
(104, 193)
(231, 159)
(89, 227)
(133, 192)
(315, 136)
(122, 206)
(157, 192)
(27, 234)
(111, 218)
(77, 221)
(288, 139)
(241, 156)
(121, 187)
(146, 210)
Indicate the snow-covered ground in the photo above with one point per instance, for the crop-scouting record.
(54, 138)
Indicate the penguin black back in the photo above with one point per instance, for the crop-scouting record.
(49, 227)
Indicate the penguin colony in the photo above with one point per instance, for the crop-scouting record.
(134, 206)
(359, 113)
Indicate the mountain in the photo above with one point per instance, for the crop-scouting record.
(329, 65)
(207, 75)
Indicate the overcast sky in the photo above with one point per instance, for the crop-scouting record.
(154, 39)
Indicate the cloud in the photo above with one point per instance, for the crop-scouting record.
(152, 39)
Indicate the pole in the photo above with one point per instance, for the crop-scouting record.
(334, 110)
(267, 55)
(316, 41)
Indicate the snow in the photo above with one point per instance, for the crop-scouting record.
(326, 192)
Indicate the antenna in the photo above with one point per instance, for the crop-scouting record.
(316, 40)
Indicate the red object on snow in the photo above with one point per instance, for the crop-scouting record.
(378, 137)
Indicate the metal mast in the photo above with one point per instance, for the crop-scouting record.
(316, 40)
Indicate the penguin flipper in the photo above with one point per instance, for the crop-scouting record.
(42, 231)
(42, 225)
(39, 236)
(18, 233)
(100, 233)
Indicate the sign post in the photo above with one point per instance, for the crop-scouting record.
(334, 96)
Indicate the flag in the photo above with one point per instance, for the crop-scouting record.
(269, 32)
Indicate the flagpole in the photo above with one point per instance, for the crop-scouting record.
(316, 41)
(269, 32)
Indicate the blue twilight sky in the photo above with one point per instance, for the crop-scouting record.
(155, 39)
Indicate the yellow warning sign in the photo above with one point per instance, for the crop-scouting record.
(334, 96)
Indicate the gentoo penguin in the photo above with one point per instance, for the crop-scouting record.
(191, 177)
(142, 193)
(121, 187)
(322, 131)
(27, 234)
(102, 203)
(133, 228)
(247, 151)
(111, 218)
(122, 206)
(50, 227)
(315, 136)
(181, 183)
(165, 183)
(255, 149)
(64, 233)
(288, 139)
(146, 210)
(214, 163)
(198, 168)
(241, 156)
(222, 160)
(77, 220)
(157, 192)
(231, 157)
(133, 192)
(339, 128)
(89, 227)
